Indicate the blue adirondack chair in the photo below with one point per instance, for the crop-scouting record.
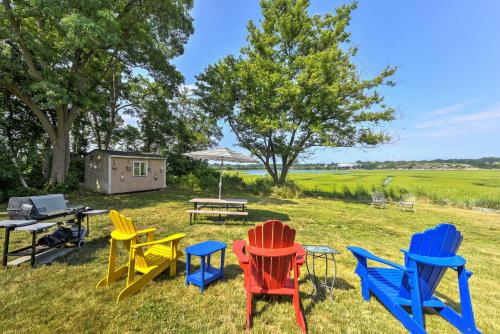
(412, 285)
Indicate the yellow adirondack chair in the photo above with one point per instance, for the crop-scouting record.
(158, 256)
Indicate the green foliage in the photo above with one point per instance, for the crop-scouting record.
(294, 87)
(261, 186)
(288, 190)
(62, 59)
(265, 186)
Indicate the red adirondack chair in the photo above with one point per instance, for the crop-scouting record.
(267, 262)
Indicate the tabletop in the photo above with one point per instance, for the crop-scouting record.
(16, 223)
(219, 201)
(95, 212)
(320, 249)
(205, 248)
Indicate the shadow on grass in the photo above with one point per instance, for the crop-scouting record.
(448, 301)
(85, 254)
(256, 215)
(322, 293)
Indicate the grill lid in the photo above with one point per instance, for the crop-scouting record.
(36, 206)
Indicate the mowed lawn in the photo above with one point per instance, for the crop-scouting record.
(62, 297)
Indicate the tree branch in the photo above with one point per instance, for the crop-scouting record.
(42, 117)
(24, 48)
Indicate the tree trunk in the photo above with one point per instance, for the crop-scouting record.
(282, 178)
(60, 157)
(46, 160)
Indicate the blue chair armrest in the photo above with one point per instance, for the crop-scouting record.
(451, 261)
(358, 251)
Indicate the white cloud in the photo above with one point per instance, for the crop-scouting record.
(460, 125)
(451, 109)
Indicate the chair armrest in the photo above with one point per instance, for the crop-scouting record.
(171, 238)
(147, 230)
(363, 253)
(300, 255)
(239, 250)
(123, 237)
(451, 261)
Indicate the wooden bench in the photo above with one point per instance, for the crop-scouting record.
(214, 212)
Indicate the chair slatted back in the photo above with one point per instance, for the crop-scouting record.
(124, 225)
(441, 241)
(269, 268)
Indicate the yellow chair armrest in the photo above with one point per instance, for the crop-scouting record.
(123, 237)
(147, 230)
(173, 237)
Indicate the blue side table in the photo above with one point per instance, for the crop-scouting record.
(206, 274)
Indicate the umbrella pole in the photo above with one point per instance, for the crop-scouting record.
(220, 178)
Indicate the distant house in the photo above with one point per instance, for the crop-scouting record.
(346, 166)
(114, 172)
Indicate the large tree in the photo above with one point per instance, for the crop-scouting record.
(66, 52)
(295, 87)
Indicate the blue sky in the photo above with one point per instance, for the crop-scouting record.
(448, 53)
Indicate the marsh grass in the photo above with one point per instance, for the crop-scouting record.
(462, 188)
(62, 297)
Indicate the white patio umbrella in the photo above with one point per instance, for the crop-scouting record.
(221, 154)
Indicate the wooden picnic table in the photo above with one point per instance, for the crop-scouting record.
(220, 207)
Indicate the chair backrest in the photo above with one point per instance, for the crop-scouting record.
(440, 241)
(124, 225)
(378, 197)
(121, 223)
(271, 250)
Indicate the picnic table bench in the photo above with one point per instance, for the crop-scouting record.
(218, 207)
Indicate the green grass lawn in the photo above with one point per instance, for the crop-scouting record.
(459, 187)
(62, 297)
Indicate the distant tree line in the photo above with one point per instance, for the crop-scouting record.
(483, 163)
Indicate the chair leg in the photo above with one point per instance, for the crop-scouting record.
(173, 268)
(249, 311)
(112, 275)
(298, 313)
(139, 283)
(365, 290)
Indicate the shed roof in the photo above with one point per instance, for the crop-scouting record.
(127, 154)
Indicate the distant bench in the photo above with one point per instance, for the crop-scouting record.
(215, 212)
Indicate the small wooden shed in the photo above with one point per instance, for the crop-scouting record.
(115, 172)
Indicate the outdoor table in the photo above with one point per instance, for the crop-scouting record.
(220, 207)
(230, 203)
(206, 274)
(328, 254)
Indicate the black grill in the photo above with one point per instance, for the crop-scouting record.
(36, 214)
(41, 207)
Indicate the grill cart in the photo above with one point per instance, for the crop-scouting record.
(37, 215)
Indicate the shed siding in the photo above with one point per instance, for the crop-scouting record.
(96, 172)
(123, 179)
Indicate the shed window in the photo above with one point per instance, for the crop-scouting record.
(140, 168)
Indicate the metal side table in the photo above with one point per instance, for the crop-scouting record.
(328, 254)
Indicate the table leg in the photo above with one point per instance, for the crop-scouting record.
(195, 209)
(208, 261)
(314, 275)
(88, 228)
(188, 267)
(309, 274)
(334, 274)
(202, 265)
(222, 263)
(79, 238)
(6, 246)
(33, 248)
(326, 270)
